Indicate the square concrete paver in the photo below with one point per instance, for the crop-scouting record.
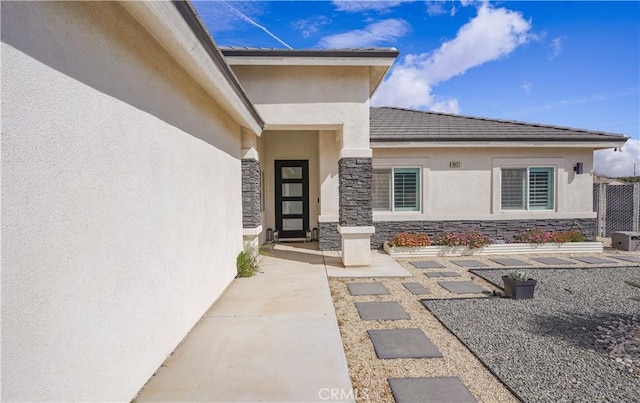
(402, 343)
(429, 264)
(447, 389)
(468, 263)
(462, 287)
(367, 289)
(552, 260)
(442, 274)
(388, 310)
(593, 260)
(416, 289)
(509, 262)
(627, 258)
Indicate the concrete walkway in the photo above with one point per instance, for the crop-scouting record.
(273, 337)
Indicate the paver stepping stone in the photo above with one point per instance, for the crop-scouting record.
(551, 260)
(462, 287)
(367, 289)
(416, 289)
(402, 343)
(509, 262)
(445, 389)
(388, 310)
(468, 263)
(627, 258)
(442, 274)
(429, 264)
(593, 260)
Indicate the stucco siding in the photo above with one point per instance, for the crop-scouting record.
(471, 191)
(117, 230)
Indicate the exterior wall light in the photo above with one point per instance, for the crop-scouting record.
(579, 168)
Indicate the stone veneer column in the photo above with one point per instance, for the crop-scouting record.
(250, 164)
(250, 193)
(355, 209)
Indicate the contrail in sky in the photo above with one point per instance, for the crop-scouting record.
(255, 24)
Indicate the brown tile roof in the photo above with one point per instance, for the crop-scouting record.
(405, 125)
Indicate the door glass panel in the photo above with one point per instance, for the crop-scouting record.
(292, 190)
(292, 224)
(291, 207)
(291, 172)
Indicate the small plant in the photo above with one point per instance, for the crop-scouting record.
(534, 236)
(540, 236)
(247, 262)
(470, 239)
(518, 275)
(408, 239)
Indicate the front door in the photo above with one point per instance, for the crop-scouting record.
(292, 198)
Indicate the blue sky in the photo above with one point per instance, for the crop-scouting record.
(570, 63)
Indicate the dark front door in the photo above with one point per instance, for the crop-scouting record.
(292, 198)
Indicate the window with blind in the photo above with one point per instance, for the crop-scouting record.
(527, 188)
(396, 189)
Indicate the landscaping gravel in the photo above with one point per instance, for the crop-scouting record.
(554, 347)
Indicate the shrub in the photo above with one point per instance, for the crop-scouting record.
(518, 275)
(410, 239)
(540, 236)
(534, 236)
(247, 262)
(470, 239)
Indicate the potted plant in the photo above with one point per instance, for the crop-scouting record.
(518, 285)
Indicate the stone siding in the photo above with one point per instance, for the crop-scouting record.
(328, 236)
(356, 192)
(496, 229)
(250, 193)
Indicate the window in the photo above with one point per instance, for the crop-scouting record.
(527, 188)
(396, 189)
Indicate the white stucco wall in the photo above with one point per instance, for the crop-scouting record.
(312, 97)
(472, 190)
(290, 145)
(117, 226)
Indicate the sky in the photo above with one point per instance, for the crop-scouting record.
(572, 63)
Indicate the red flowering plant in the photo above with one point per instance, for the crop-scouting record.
(470, 239)
(540, 236)
(409, 239)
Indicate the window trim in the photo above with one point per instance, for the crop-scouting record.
(419, 191)
(527, 167)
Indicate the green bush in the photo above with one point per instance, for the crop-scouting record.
(247, 262)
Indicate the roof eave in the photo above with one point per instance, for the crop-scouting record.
(180, 32)
(466, 143)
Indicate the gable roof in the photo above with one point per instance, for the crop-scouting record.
(406, 125)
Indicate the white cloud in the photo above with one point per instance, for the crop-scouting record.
(355, 6)
(385, 31)
(446, 106)
(492, 34)
(615, 163)
(556, 47)
(526, 86)
(436, 8)
(311, 26)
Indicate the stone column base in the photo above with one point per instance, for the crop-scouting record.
(356, 245)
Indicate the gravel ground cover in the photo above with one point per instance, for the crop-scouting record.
(369, 374)
(547, 349)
